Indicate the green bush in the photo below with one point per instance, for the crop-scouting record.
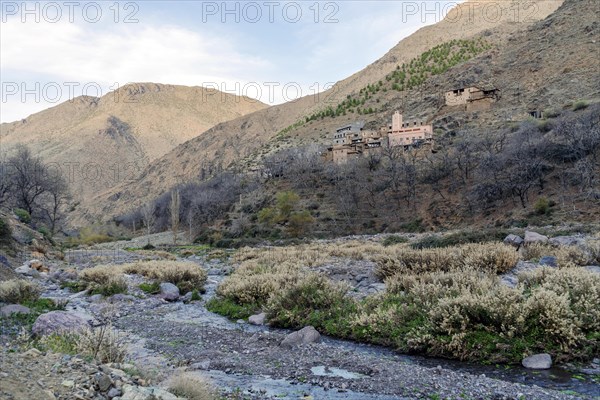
(314, 300)
(23, 215)
(458, 238)
(230, 309)
(115, 285)
(542, 206)
(150, 288)
(393, 239)
(580, 105)
(195, 295)
(5, 233)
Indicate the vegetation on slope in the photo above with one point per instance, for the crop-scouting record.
(462, 313)
(409, 75)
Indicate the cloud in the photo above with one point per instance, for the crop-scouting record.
(70, 52)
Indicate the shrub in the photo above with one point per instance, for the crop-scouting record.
(17, 291)
(393, 239)
(23, 215)
(5, 233)
(114, 285)
(580, 105)
(195, 295)
(192, 387)
(458, 238)
(488, 257)
(312, 300)
(187, 276)
(566, 256)
(103, 344)
(542, 206)
(150, 288)
(230, 309)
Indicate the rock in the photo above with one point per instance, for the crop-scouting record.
(549, 261)
(514, 240)
(510, 280)
(538, 361)
(120, 297)
(68, 383)
(79, 294)
(96, 298)
(305, 335)
(258, 319)
(566, 241)
(204, 365)
(114, 392)
(131, 392)
(169, 292)
(10, 309)
(33, 353)
(25, 270)
(38, 266)
(103, 381)
(534, 237)
(57, 322)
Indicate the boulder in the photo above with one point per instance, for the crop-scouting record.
(102, 381)
(114, 392)
(57, 322)
(131, 392)
(258, 319)
(567, 241)
(25, 270)
(538, 361)
(169, 292)
(10, 309)
(549, 261)
(306, 335)
(514, 240)
(534, 237)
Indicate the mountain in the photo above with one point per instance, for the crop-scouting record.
(243, 141)
(101, 142)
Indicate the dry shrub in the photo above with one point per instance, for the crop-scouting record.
(103, 343)
(579, 286)
(101, 274)
(158, 254)
(485, 257)
(254, 283)
(593, 248)
(192, 387)
(187, 276)
(304, 254)
(566, 256)
(471, 316)
(18, 291)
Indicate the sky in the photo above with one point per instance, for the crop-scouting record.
(275, 51)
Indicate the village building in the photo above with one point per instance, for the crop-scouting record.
(353, 140)
(474, 98)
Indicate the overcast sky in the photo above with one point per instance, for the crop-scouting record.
(274, 51)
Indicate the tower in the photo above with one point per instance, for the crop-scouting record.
(396, 121)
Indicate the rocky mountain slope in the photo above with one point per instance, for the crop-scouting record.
(100, 142)
(249, 137)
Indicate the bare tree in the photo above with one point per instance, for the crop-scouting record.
(148, 217)
(174, 208)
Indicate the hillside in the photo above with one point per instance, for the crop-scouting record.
(100, 142)
(252, 136)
